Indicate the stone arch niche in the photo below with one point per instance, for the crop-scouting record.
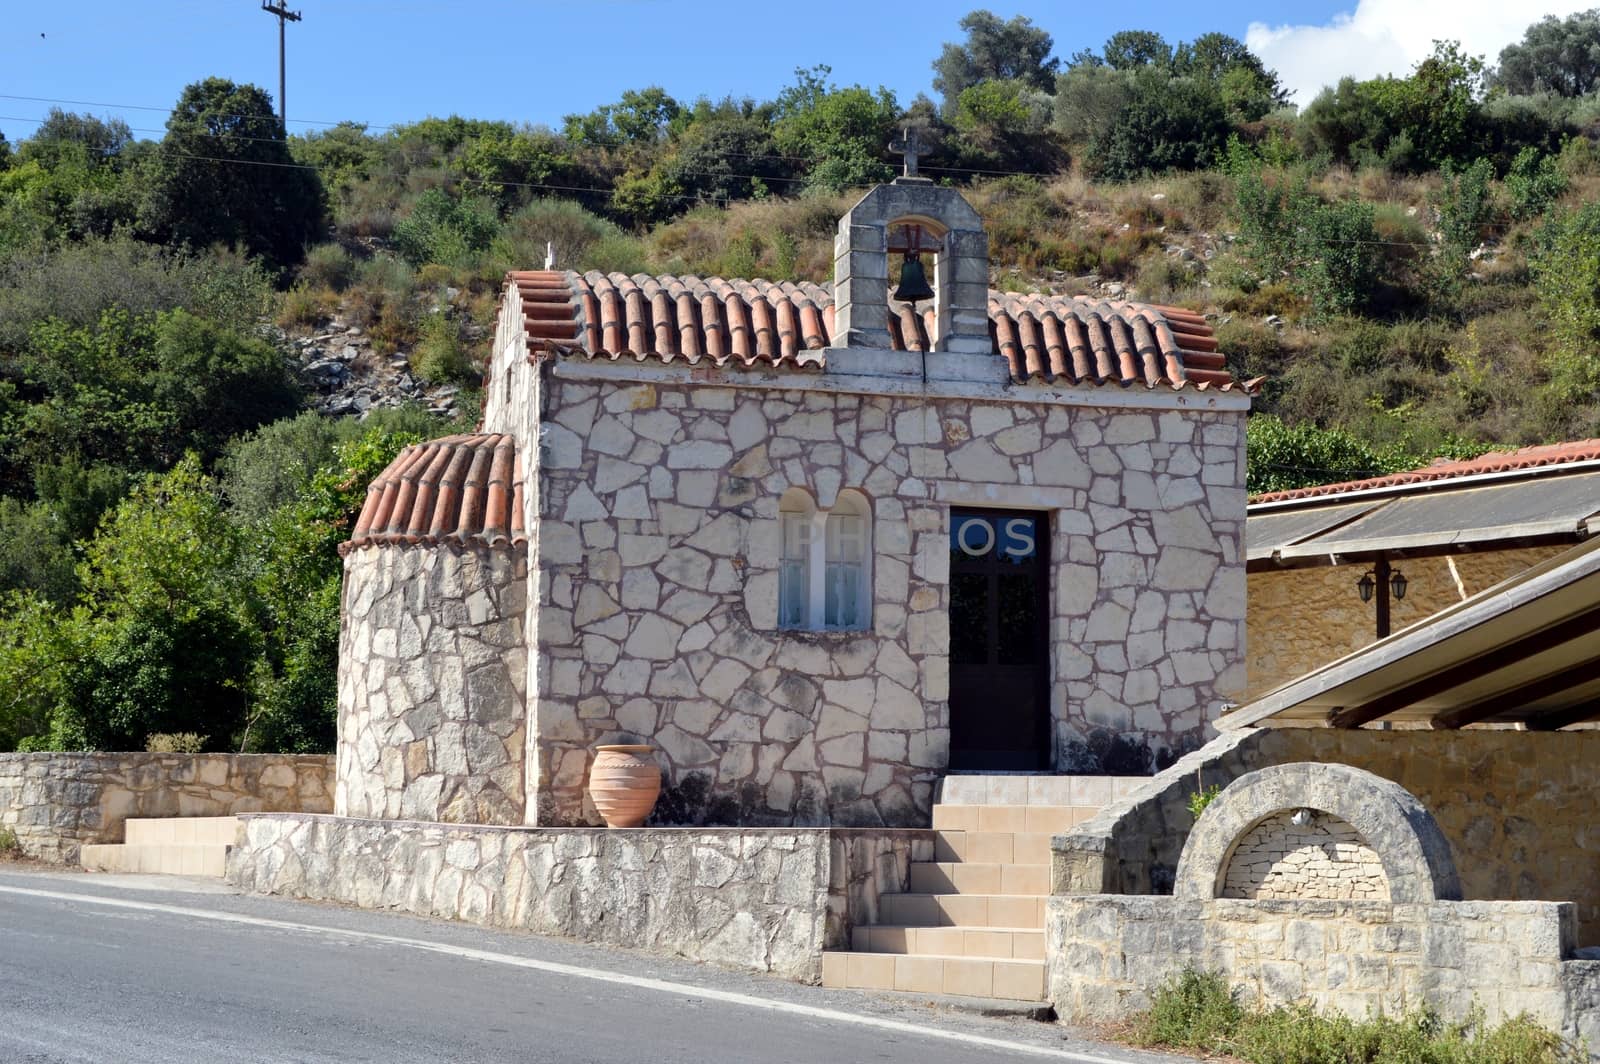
(960, 275)
(1360, 829)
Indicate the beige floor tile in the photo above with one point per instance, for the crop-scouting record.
(1027, 945)
(992, 847)
(1014, 912)
(870, 971)
(956, 817)
(968, 977)
(966, 910)
(978, 878)
(923, 975)
(1002, 818)
(1019, 980)
(1091, 790)
(1051, 819)
(1049, 790)
(950, 846)
(986, 943)
(914, 910)
(1008, 790)
(1032, 847)
(940, 941)
(1024, 879)
(887, 940)
(833, 970)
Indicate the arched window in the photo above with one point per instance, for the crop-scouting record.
(824, 566)
(797, 516)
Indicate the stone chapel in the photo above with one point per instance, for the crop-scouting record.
(819, 547)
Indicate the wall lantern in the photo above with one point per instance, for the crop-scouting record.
(1366, 585)
(1398, 584)
(1369, 583)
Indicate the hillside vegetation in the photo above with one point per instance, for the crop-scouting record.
(1411, 263)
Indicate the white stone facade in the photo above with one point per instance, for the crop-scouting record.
(653, 498)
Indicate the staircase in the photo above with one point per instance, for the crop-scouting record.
(176, 846)
(972, 922)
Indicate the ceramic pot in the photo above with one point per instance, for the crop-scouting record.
(624, 784)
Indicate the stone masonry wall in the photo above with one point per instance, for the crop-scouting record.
(56, 802)
(755, 899)
(1107, 953)
(1325, 858)
(1517, 809)
(1300, 619)
(432, 674)
(656, 564)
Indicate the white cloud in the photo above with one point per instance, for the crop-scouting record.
(1391, 37)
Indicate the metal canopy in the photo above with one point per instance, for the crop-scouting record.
(1267, 534)
(1526, 651)
(1481, 516)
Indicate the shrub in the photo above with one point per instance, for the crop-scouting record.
(328, 266)
(445, 230)
(10, 845)
(440, 356)
(1534, 181)
(174, 743)
(1566, 270)
(304, 307)
(1195, 1010)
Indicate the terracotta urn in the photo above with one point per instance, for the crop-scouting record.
(624, 784)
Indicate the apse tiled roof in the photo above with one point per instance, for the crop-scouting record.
(1526, 458)
(464, 490)
(1056, 339)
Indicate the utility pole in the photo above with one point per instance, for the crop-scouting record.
(281, 9)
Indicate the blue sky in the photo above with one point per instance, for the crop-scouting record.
(535, 61)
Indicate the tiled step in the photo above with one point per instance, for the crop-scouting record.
(1011, 819)
(962, 910)
(966, 877)
(997, 847)
(1094, 791)
(996, 943)
(1016, 980)
(159, 859)
(182, 831)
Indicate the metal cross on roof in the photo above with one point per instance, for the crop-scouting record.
(910, 145)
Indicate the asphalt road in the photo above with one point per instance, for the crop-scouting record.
(151, 969)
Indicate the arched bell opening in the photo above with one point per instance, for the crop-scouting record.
(919, 282)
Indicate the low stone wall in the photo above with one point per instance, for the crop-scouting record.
(1106, 953)
(767, 900)
(56, 802)
(1517, 809)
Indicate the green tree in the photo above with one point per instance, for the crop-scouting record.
(1558, 55)
(1280, 457)
(994, 50)
(445, 230)
(224, 175)
(843, 134)
(1566, 271)
(1136, 49)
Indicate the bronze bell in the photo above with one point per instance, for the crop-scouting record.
(913, 282)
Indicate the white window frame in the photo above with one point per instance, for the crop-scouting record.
(815, 533)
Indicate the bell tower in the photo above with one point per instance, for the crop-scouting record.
(915, 217)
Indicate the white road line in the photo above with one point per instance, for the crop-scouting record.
(598, 975)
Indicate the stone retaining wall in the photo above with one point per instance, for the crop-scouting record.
(56, 802)
(1324, 858)
(760, 899)
(1517, 809)
(1107, 953)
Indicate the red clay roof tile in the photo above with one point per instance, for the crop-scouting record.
(1056, 339)
(464, 490)
(1526, 458)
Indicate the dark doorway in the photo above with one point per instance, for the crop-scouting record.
(999, 640)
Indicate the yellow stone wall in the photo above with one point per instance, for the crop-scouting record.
(1300, 619)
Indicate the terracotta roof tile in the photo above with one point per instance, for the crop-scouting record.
(1527, 458)
(464, 490)
(1056, 339)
